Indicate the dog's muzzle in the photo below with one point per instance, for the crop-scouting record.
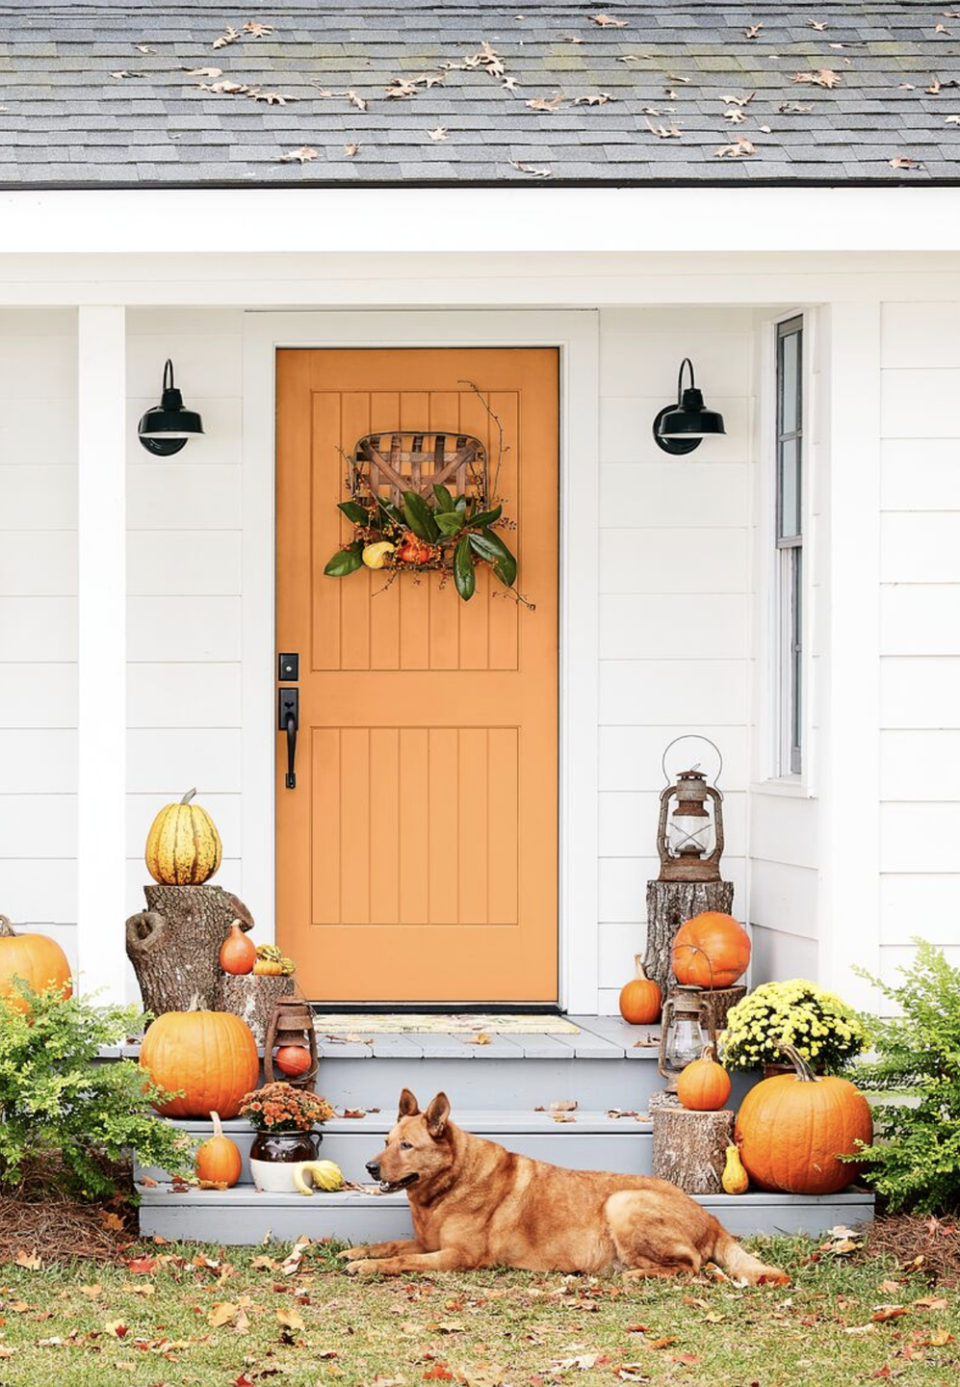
(389, 1186)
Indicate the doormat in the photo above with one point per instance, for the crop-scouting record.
(362, 1023)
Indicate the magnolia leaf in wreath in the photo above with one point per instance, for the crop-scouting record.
(343, 562)
(460, 505)
(464, 573)
(487, 517)
(492, 548)
(444, 499)
(390, 513)
(449, 523)
(355, 513)
(420, 517)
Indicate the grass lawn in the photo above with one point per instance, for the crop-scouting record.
(177, 1315)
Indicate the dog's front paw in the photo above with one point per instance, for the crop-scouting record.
(365, 1266)
(352, 1254)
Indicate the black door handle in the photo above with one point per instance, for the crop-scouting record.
(289, 722)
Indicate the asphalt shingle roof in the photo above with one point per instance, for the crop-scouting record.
(109, 93)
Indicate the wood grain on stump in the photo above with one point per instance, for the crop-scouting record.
(689, 1148)
(174, 945)
(669, 905)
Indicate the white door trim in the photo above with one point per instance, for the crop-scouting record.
(577, 336)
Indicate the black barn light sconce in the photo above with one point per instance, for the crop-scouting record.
(679, 428)
(165, 429)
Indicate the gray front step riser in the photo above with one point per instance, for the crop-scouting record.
(284, 1219)
(629, 1153)
(595, 1084)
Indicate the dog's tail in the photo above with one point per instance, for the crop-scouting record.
(743, 1265)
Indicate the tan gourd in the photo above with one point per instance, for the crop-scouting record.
(734, 1179)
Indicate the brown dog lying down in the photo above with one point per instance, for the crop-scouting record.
(474, 1204)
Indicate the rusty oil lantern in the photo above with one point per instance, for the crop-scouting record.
(690, 839)
(290, 1042)
(687, 1026)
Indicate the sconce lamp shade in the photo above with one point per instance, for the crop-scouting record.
(165, 429)
(679, 428)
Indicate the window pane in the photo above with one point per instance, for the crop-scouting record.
(796, 732)
(789, 383)
(789, 518)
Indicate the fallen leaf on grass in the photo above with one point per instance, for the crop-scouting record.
(438, 1373)
(292, 1263)
(929, 1302)
(29, 1260)
(887, 1312)
(632, 1372)
(222, 1313)
(290, 1319)
(91, 1292)
(117, 1328)
(686, 1358)
(6, 1352)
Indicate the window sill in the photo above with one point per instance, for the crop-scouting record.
(784, 786)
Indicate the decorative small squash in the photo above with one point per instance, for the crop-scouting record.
(238, 953)
(734, 1179)
(711, 950)
(704, 1085)
(641, 1001)
(218, 1159)
(209, 1056)
(293, 1059)
(268, 968)
(183, 845)
(414, 550)
(792, 1128)
(35, 958)
(326, 1175)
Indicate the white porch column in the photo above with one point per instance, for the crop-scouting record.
(848, 621)
(102, 720)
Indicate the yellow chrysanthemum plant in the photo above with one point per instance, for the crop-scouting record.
(825, 1031)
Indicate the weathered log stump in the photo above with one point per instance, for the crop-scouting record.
(253, 997)
(689, 1148)
(174, 945)
(669, 905)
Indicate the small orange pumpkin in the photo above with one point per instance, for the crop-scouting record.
(413, 549)
(292, 1059)
(704, 1085)
(218, 1160)
(35, 958)
(238, 953)
(791, 1129)
(641, 1001)
(711, 950)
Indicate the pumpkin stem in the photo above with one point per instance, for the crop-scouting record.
(709, 1052)
(217, 1124)
(6, 929)
(188, 796)
(638, 963)
(805, 1074)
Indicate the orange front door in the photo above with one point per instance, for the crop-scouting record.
(417, 855)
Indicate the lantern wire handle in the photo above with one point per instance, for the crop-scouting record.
(697, 737)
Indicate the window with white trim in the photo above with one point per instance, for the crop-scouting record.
(790, 543)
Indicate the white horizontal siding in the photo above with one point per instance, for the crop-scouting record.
(649, 560)
(183, 695)
(196, 629)
(921, 905)
(920, 476)
(674, 626)
(665, 692)
(778, 955)
(224, 809)
(182, 563)
(707, 495)
(628, 824)
(630, 758)
(168, 761)
(919, 619)
(895, 959)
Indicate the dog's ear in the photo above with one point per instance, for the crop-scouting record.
(437, 1114)
(409, 1107)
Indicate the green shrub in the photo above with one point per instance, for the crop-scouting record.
(63, 1111)
(915, 1160)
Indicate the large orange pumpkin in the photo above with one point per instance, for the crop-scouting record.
(39, 961)
(210, 1055)
(791, 1129)
(712, 950)
(641, 1002)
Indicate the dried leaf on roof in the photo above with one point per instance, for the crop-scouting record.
(823, 77)
(204, 72)
(357, 101)
(540, 103)
(664, 132)
(606, 22)
(730, 100)
(754, 31)
(229, 35)
(528, 168)
(256, 30)
(439, 134)
(271, 98)
(735, 115)
(735, 151)
(596, 99)
(303, 155)
(350, 150)
(900, 161)
(818, 24)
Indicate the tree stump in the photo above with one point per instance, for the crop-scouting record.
(669, 905)
(253, 997)
(174, 945)
(690, 1148)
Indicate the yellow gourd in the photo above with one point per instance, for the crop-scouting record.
(375, 555)
(326, 1175)
(734, 1179)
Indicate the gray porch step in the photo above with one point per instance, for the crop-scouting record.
(244, 1217)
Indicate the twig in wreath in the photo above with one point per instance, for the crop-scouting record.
(495, 490)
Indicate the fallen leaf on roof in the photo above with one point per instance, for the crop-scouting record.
(564, 1105)
(144, 48)
(570, 38)
(606, 22)
(481, 1038)
(540, 103)
(664, 132)
(439, 134)
(401, 87)
(529, 168)
(651, 111)
(837, 45)
(357, 101)
(672, 77)
(271, 98)
(123, 73)
(754, 31)
(823, 77)
(738, 100)
(636, 58)
(735, 115)
(597, 99)
(791, 108)
(229, 35)
(303, 155)
(735, 151)
(204, 72)
(670, 95)
(906, 87)
(952, 120)
(941, 29)
(935, 87)
(766, 129)
(818, 24)
(902, 162)
(225, 88)
(256, 30)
